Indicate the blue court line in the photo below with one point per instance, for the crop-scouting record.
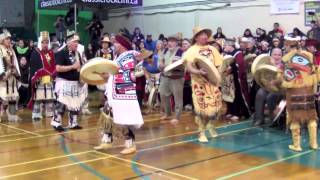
(66, 151)
(223, 129)
(264, 165)
(275, 151)
(136, 169)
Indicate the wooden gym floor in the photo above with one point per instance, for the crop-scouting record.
(34, 151)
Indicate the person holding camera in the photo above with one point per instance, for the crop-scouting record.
(60, 28)
(94, 27)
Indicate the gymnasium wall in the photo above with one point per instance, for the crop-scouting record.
(167, 17)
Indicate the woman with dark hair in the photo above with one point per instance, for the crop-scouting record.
(137, 34)
(161, 37)
(261, 35)
(297, 32)
(219, 34)
(247, 33)
(165, 42)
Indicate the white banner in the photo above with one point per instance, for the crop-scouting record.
(284, 6)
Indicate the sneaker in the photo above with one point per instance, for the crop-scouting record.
(213, 133)
(228, 116)
(36, 119)
(103, 146)
(59, 128)
(130, 147)
(77, 127)
(188, 107)
(234, 119)
(165, 117)
(202, 137)
(174, 121)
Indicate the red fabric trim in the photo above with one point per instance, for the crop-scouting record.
(46, 70)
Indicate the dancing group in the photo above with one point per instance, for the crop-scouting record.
(59, 86)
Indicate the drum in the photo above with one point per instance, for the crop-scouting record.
(262, 59)
(227, 61)
(175, 65)
(250, 58)
(90, 72)
(264, 75)
(213, 76)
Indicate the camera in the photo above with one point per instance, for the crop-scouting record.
(311, 13)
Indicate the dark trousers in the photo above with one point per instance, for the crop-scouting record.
(24, 96)
(187, 93)
(264, 97)
(140, 97)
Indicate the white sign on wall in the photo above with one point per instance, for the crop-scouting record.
(284, 6)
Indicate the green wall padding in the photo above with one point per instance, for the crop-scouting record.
(48, 17)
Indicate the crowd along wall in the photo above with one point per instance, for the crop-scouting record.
(171, 16)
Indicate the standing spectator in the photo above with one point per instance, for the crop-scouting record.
(276, 32)
(89, 52)
(149, 44)
(137, 34)
(261, 35)
(24, 66)
(21, 50)
(314, 32)
(31, 45)
(303, 42)
(165, 43)
(60, 28)
(239, 71)
(161, 37)
(248, 34)
(219, 34)
(187, 90)
(94, 27)
(172, 81)
(297, 32)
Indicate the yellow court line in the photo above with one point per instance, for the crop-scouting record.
(181, 134)
(45, 159)
(51, 129)
(47, 135)
(144, 169)
(190, 140)
(15, 134)
(52, 134)
(29, 132)
(51, 168)
(145, 165)
(108, 156)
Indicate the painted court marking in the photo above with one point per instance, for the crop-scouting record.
(28, 132)
(45, 159)
(145, 165)
(48, 135)
(264, 165)
(51, 129)
(115, 156)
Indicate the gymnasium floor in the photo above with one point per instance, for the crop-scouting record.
(34, 151)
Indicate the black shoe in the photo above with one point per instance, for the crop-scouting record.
(59, 128)
(258, 123)
(36, 119)
(77, 127)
